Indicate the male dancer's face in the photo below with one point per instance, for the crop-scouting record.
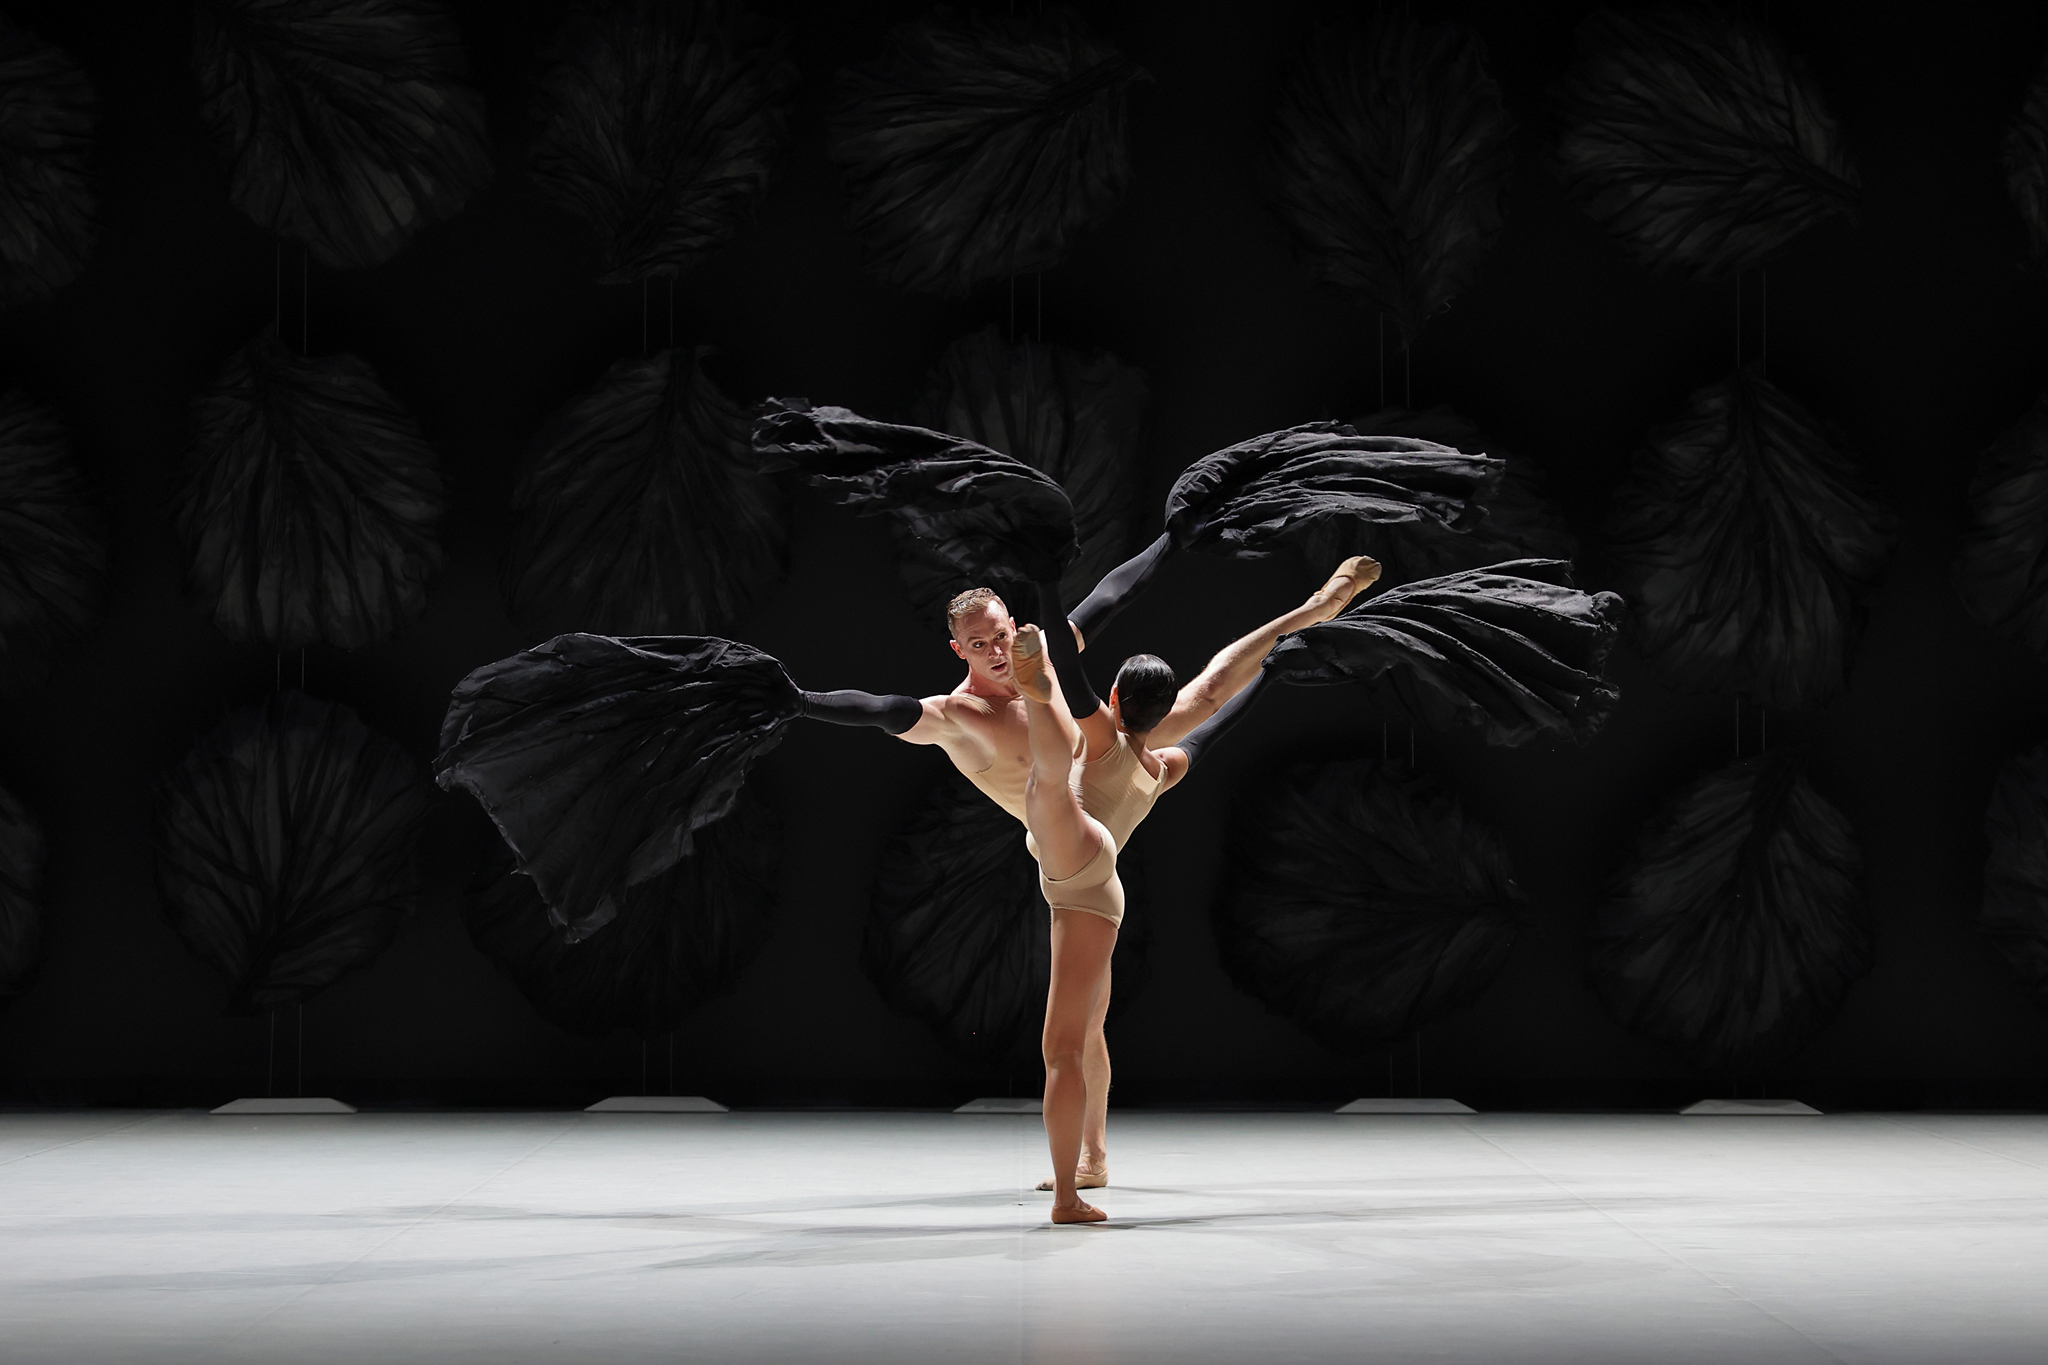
(983, 640)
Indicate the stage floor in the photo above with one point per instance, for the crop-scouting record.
(173, 1237)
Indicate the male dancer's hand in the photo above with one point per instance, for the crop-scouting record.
(1352, 577)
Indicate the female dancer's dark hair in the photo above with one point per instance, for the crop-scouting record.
(1145, 691)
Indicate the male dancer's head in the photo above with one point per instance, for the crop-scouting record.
(982, 632)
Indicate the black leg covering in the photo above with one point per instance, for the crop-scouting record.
(1065, 655)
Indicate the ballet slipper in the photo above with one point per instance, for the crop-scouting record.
(1084, 1179)
(1028, 665)
(1082, 1212)
(1352, 577)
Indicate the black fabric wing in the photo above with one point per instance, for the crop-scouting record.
(659, 122)
(49, 203)
(2014, 915)
(1323, 483)
(641, 511)
(285, 847)
(1697, 139)
(1514, 650)
(1738, 926)
(1747, 544)
(2001, 568)
(681, 937)
(1076, 416)
(308, 503)
(53, 544)
(21, 898)
(957, 931)
(980, 144)
(1361, 902)
(2026, 166)
(600, 758)
(345, 124)
(981, 513)
(1391, 149)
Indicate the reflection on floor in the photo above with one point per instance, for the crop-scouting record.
(173, 1237)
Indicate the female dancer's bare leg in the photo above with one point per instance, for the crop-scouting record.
(1092, 1171)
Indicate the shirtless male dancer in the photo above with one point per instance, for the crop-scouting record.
(1080, 774)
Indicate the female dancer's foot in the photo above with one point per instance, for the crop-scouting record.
(1086, 1177)
(1352, 577)
(1027, 665)
(1080, 1211)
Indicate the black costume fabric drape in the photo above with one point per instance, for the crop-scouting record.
(980, 143)
(599, 759)
(681, 937)
(1737, 927)
(1391, 149)
(957, 932)
(285, 847)
(2001, 568)
(1077, 416)
(21, 898)
(659, 122)
(309, 502)
(344, 124)
(1697, 139)
(980, 513)
(1361, 902)
(1514, 650)
(53, 544)
(1747, 544)
(641, 511)
(2026, 166)
(2014, 916)
(49, 202)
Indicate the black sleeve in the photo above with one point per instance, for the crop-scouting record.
(1064, 653)
(1117, 588)
(1210, 730)
(894, 714)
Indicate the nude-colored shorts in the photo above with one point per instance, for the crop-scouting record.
(1094, 890)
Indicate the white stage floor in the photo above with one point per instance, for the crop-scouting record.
(173, 1237)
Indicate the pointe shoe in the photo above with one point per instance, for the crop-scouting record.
(1352, 577)
(1084, 1179)
(1027, 664)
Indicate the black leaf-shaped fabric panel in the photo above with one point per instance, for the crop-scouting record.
(1514, 650)
(1391, 150)
(1747, 544)
(980, 513)
(345, 124)
(2001, 569)
(1697, 139)
(681, 937)
(1361, 903)
(1076, 416)
(641, 510)
(979, 144)
(600, 758)
(2014, 915)
(659, 122)
(2026, 166)
(21, 898)
(309, 502)
(1738, 925)
(1323, 484)
(49, 202)
(959, 937)
(53, 544)
(285, 847)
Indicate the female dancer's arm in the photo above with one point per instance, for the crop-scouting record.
(1180, 758)
(1115, 591)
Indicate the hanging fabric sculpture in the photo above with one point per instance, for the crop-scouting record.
(641, 512)
(1076, 416)
(2026, 166)
(344, 124)
(285, 848)
(21, 898)
(2015, 910)
(659, 123)
(1697, 139)
(53, 544)
(1513, 650)
(1746, 544)
(1738, 926)
(48, 203)
(1391, 150)
(309, 502)
(2001, 569)
(980, 144)
(1361, 902)
(682, 937)
(956, 933)
(599, 759)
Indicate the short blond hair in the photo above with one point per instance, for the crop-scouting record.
(967, 604)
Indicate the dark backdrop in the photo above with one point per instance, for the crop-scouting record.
(1914, 328)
